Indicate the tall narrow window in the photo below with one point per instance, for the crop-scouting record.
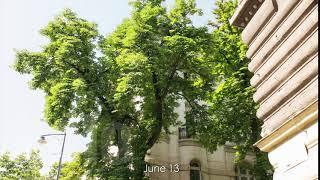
(243, 174)
(195, 171)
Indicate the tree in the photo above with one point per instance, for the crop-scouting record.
(22, 166)
(69, 170)
(231, 108)
(231, 116)
(155, 50)
(127, 97)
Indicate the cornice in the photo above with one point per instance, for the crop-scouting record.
(244, 12)
(189, 142)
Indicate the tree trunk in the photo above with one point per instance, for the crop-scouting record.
(119, 140)
(156, 130)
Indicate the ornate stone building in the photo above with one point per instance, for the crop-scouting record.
(182, 158)
(282, 36)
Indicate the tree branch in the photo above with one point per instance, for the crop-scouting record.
(156, 130)
(170, 77)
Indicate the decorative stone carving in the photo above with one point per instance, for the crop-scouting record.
(245, 14)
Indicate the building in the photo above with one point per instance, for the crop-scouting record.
(282, 36)
(182, 158)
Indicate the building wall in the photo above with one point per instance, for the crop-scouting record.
(172, 150)
(282, 36)
(218, 165)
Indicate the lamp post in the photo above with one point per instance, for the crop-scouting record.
(42, 140)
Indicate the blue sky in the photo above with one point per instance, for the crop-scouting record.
(20, 107)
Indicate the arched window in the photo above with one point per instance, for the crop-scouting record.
(195, 170)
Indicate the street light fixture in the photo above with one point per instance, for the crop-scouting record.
(42, 140)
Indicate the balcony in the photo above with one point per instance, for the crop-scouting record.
(183, 133)
(185, 138)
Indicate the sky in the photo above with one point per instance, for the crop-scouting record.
(21, 109)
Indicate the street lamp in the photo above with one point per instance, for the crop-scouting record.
(42, 140)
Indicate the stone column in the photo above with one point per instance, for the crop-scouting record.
(282, 36)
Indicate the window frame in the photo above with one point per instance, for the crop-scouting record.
(240, 175)
(195, 166)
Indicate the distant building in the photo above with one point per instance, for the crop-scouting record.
(178, 150)
(282, 36)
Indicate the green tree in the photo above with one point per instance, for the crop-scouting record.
(231, 111)
(73, 170)
(22, 166)
(161, 58)
(125, 98)
(231, 116)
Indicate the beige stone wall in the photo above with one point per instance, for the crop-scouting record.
(282, 36)
(214, 166)
(172, 150)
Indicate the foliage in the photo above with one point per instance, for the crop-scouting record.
(22, 166)
(69, 170)
(127, 96)
(262, 168)
(152, 50)
(232, 112)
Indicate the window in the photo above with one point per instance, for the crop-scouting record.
(183, 132)
(243, 174)
(195, 173)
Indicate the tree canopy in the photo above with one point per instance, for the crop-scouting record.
(231, 116)
(72, 170)
(123, 88)
(22, 166)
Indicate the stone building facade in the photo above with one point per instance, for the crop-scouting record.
(182, 158)
(282, 36)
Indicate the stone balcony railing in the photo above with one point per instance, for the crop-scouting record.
(183, 134)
